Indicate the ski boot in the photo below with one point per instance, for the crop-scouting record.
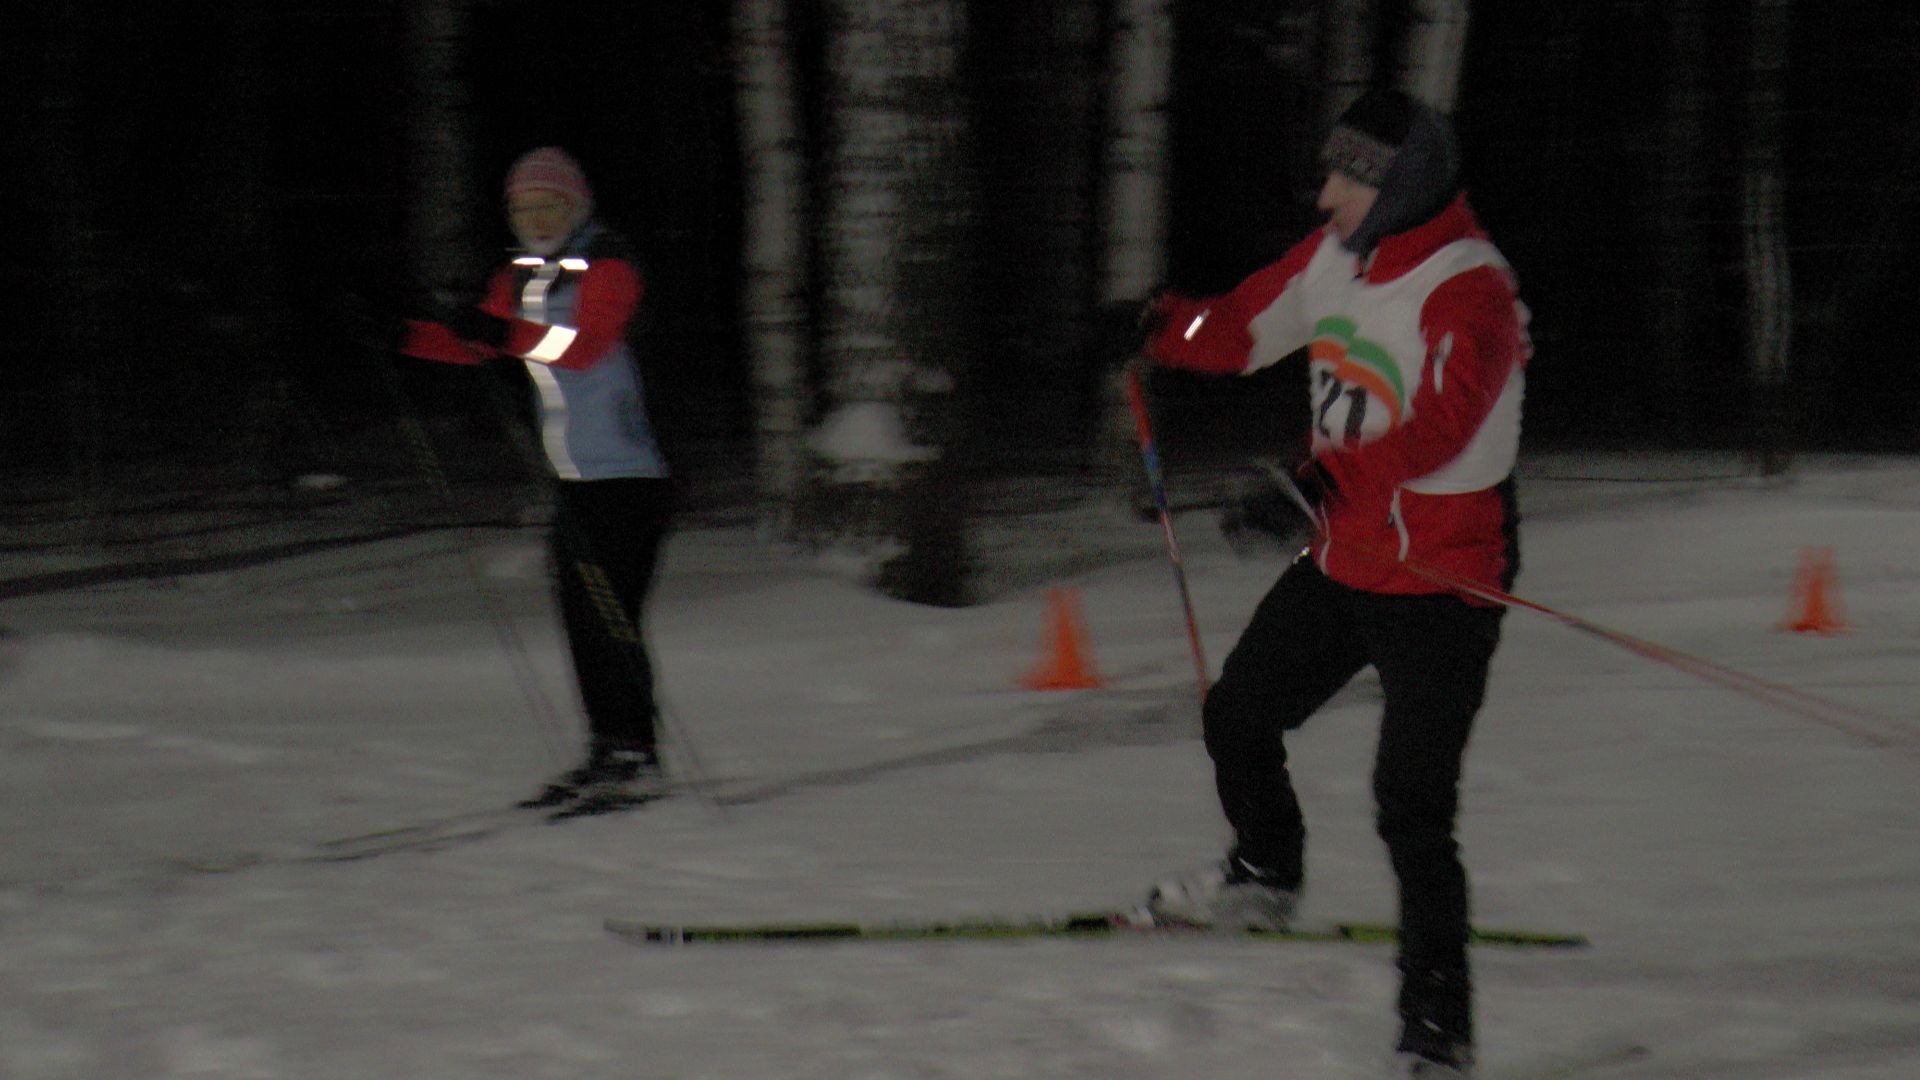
(609, 778)
(1231, 894)
(625, 779)
(1436, 1034)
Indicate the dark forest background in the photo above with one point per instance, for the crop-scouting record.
(208, 216)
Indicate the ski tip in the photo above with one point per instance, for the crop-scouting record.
(627, 928)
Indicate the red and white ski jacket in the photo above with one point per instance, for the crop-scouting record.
(1416, 359)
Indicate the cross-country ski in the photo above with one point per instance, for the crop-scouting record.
(1117, 924)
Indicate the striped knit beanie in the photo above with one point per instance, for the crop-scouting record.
(552, 169)
(1367, 137)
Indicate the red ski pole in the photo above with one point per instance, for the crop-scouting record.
(1136, 396)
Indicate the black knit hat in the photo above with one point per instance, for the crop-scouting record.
(1391, 141)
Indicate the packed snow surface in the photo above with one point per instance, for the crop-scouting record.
(1748, 873)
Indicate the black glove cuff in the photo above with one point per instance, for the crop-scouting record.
(473, 324)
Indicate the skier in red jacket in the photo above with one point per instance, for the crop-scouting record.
(1416, 350)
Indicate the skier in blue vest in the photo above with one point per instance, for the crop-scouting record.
(562, 308)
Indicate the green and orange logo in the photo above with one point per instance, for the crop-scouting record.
(1354, 371)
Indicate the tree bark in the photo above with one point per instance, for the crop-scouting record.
(775, 252)
(882, 486)
(1135, 214)
(1436, 46)
(443, 201)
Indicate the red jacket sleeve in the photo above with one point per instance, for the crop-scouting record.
(1214, 334)
(1474, 340)
(432, 341)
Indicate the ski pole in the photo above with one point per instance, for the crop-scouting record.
(1789, 699)
(1137, 398)
(1859, 723)
(494, 608)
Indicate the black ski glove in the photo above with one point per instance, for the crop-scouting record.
(1122, 328)
(472, 324)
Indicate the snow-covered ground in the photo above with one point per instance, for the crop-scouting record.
(1750, 878)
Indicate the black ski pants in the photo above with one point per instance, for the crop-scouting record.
(607, 536)
(1307, 639)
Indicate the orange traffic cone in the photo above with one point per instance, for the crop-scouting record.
(1066, 663)
(1816, 596)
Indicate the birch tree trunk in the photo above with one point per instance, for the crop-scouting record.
(775, 256)
(443, 203)
(1134, 218)
(937, 279)
(1436, 46)
(1135, 213)
(896, 127)
(1769, 278)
